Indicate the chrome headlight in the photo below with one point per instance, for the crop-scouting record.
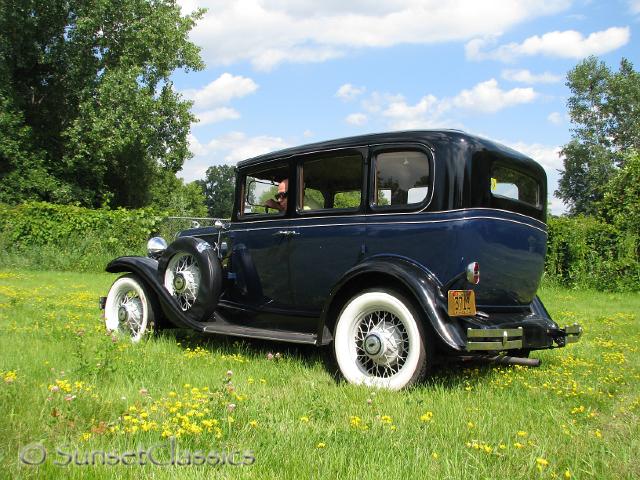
(155, 247)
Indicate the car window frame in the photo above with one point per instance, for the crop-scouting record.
(503, 198)
(363, 152)
(399, 147)
(271, 165)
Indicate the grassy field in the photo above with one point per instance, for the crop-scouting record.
(74, 391)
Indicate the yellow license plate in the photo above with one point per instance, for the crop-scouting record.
(462, 303)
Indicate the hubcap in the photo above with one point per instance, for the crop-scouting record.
(372, 344)
(179, 283)
(122, 314)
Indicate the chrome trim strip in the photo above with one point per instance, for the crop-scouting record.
(395, 213)
(461, 219)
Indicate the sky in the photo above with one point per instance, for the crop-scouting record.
(281, 73)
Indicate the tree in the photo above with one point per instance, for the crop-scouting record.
(219, 189)
(87, 84)
(177, 198)
(605, 110)
(621, 203)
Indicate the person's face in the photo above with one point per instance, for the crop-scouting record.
(283, 190)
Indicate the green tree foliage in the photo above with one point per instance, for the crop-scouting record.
(89, 114)
(177, 198)
(605, 110)
(219, 189)
(621, 204)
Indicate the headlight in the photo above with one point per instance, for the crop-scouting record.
(155, 247)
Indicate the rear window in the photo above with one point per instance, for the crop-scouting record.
(401, 179)
(514, 185)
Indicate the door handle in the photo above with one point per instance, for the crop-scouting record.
(287, 233)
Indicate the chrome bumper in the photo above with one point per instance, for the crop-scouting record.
(498, 339)
(494, 338)
(572, 333)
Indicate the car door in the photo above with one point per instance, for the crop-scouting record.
(259, 243)
(328, 227)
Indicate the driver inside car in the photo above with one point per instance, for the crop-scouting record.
(280, 201)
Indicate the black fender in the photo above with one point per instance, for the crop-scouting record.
(418, 280)
(148, 271)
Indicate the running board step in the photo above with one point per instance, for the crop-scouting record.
(260, 333)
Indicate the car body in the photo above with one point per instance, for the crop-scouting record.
(390, 250)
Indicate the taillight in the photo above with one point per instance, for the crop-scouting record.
(473, 273)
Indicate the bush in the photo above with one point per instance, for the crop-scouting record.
(45, 236)
(587, 252)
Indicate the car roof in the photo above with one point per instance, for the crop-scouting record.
(446, 137)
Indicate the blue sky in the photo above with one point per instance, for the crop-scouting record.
(282, 73)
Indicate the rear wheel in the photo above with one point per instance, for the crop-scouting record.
(379, 341)
(130, 309)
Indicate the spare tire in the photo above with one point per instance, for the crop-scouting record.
(190, 270)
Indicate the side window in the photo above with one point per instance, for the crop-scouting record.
(331, 183)
(266, 192)
(401, 179)
(514, 185)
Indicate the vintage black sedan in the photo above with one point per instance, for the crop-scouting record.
(389, 251)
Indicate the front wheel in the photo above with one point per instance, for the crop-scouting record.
(379, 341)
(130, 308)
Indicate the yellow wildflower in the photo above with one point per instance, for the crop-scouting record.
(321, 445)
(426, 417)
(304, 419)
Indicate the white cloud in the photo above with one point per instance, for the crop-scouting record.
(634, 6)
(431, 111)
(488, 97)
(217, 115)
(307, 134)
(356, 119)
(348, 92)
(229, 148)
(269, 32)
(567, 44)
(525, 76)
(220, 91)
(555, 118)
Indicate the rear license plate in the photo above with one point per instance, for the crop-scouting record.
(462, 303)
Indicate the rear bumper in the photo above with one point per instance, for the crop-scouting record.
(500, 339)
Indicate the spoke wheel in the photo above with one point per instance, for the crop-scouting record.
(182, 279)
(128, 310)
(379, 341)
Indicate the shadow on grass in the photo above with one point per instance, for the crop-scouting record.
(449, 374)
(248, 347)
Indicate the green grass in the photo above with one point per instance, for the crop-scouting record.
(577, 413)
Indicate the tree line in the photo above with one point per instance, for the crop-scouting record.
(89, 115)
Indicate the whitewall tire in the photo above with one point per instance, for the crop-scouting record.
(129, 308)
(379, 341)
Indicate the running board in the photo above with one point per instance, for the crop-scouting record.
(259, 333)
